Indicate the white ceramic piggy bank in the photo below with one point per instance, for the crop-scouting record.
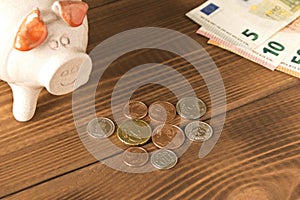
(43, 44)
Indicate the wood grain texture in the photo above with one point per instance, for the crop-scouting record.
(257, 156)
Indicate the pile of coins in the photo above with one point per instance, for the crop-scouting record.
(136, 132)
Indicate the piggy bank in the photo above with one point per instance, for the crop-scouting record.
(43, 44)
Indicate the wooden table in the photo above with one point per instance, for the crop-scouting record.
(256, 157)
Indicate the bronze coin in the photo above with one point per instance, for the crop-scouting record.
(135, 110)
(168, 136)
(162, 111)
(135, 156)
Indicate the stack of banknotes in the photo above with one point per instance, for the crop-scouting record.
(264, 31)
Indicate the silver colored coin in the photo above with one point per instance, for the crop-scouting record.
(164, 159)
(198, 131)
(191, 108)
(101, 128)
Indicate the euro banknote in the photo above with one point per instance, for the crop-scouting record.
(271, 53)
(290, 65)
(246, 23)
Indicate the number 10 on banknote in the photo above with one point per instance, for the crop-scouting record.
(246, 23)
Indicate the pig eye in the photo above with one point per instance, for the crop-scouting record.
(72, 12)
(74, 70)
(65, 40)
(32, 32)
(54, 44)
(65, 73)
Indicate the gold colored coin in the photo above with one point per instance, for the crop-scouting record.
(134, 132)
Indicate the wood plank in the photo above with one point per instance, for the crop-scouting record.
(48, 146)
(257, 157)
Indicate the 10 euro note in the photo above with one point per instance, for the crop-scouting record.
(245, 23)
(290, 65)
(242, 51)
(271, 53)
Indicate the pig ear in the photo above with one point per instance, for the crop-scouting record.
(73, 12)
(31, 33)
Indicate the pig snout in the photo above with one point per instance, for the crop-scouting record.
(60, 72)
(69, 73)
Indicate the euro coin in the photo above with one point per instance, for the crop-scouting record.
(191, 108)
(101, 128)
(168, 136)
(198, 131)
(135, 110)
(162, 111)
(134, 132)
(164, 159)
(135, 156)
